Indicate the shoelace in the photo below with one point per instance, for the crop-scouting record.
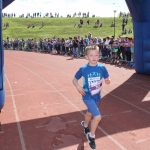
(92, 140)
(87, 129)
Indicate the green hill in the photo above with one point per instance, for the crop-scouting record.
(61, 27)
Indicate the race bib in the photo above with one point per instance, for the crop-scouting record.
(95, 85)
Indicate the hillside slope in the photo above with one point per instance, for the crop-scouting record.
(61, 27)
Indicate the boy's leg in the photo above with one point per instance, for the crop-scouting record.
(92, 111)
(85, 123)
(88, 117)
(94, 124)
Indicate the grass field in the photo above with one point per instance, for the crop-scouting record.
(61, 27)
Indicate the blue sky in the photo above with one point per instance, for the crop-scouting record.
(101, 8)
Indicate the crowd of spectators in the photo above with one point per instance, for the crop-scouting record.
(48, 14)
(111, 50)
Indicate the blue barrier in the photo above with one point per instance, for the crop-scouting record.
(3, 4)
(139, 10)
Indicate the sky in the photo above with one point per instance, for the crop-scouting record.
(99, 8)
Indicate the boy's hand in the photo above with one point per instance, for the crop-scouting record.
(107, 81)
(80, 90)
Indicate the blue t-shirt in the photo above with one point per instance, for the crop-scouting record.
(92, 80)
(87, 41)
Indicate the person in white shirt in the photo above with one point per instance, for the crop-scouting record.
(67, 44)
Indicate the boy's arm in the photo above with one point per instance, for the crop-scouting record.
(107, 80)
(106, 75)
(78, 87)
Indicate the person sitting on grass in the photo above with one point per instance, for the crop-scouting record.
(112, 24)
(101, 24)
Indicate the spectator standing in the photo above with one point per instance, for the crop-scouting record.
(86, 40)
(127, 50)
(82, 46)
(132, 50)
(123, 26)
(67, 44)
(89, 35)
(75, 47)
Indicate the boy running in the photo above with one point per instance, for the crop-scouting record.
(93, 74)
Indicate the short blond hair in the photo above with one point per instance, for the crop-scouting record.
(91, 47)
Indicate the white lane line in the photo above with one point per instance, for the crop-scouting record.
(138, 87)
(127, 102)
(103, 90)
(71, 121)
(45, 66)
(69, 74)
(17, 118)
(128, 111)
(102, 130)
(15, 95)
(31, 93)
(147, 86)
(1, 132)
(13, 90)
(143, 140)
(41, 126)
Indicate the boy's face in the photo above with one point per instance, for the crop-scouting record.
(92, 56)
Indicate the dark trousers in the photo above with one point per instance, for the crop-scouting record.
(118, 53)
(123, 53)
(128, 55)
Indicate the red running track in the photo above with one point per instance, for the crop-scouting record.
(43, 110)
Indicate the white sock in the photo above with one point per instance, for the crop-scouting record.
(85, 126)
(91, 135)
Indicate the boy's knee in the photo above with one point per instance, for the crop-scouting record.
(98, 118)
(88, 114)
